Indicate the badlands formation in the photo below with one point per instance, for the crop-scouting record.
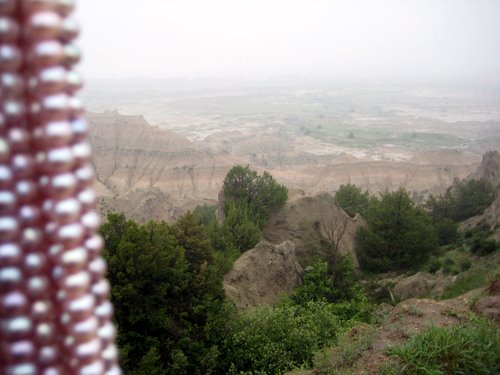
(152, 173)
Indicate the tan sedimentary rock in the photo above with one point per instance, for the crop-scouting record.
(133, 158)
(305, 220)
(130, 156)
(261, 275)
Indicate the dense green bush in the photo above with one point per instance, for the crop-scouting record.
(352, 199)
(449, 267)
(465, 265)
(344, 291)
(271, 340)
(482, 230)
(470, 348)
(447, 231)
(248, 200)
(168, 296)
(434, 266)
(398, 236)
(258, 194)
(319, 284)
(462, 200)
(238, 228)
(483, 247)
(205, 214)
(477, 238)
(471, 198)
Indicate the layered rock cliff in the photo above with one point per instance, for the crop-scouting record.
(489, 169)
(432, 172)
(135, 161)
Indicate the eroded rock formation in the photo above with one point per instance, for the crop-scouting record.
(132, 157)
(489, 169)
(262, 274)
(306, 220)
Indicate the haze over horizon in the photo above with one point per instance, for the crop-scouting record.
(357, 40)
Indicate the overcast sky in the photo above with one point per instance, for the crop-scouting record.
(351, 39)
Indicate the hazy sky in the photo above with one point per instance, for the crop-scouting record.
(351, 39)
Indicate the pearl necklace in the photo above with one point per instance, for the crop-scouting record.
(54, 300)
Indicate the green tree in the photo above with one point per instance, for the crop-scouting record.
(441, 207)
(191, 235)
(461, 201)
(260, 195)
(238, 230)
(398, 235)
(240, 184)
(319, 285)
(148, 272)
(471, 198)
(168, 299)
(205, 214)
(270, 196)
(447, 231)
(352, 199)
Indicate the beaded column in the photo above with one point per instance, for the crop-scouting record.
(54, 308)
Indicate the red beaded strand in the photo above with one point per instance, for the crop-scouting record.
(17, 192)
(55, 314)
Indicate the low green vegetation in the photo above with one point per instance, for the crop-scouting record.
(475, 277)
(351, 198)
(471, 259)
(328, 128)
(399, 235)
(344, 290)
(478, 239)
(273, 340)
(470, 348)
(350, 346)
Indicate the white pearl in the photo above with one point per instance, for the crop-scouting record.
(9, 253)
(74, 258)
(20, 325)
(48, 354)
(22, 369)
(10, 276)
(94, 368)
